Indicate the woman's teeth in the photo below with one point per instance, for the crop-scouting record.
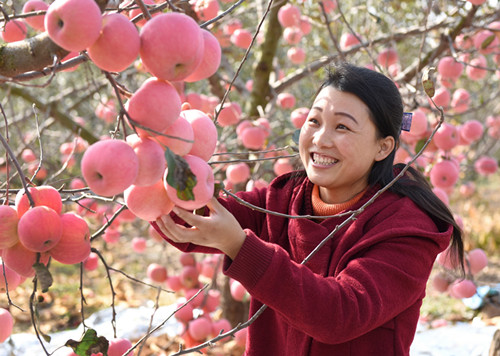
(323, 160)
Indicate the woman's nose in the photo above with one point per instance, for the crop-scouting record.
(323, 138)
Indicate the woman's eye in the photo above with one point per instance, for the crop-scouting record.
(342, 127)
(312, 120)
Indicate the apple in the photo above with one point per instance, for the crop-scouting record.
(110, 52)
(387, 57)
(205, 133)
(200, 328)
(419, 124)
(185, 313)
(7, 322)
(211, 58)
(446, 137)
(167, 56)
(111, 235)
(296, 55)
(472, 130)
(174, 283)
(28, 155)
(462, 288)
(289, 15)
(292, 35)
(486, 35)
(13, 278)
(180, 137)
(21, 260)
(329, 5)
(460, 100)
(305, 24)
(448, 67)
(195, 100)
(442, 97)
(220, 326)
(238, 291)
(348, 40)
(444, 174)
(212, 301)
(91, 262)
(477, 68)
(74, 245)
(229, 114)
(157, 273)
(253, 138)
(206, 9)
(242, 38)
(109, 167)
(155, 105)
(8, 226)
(240, 337)
(137, 11)
(285, 100)
(106, 110)
(44, 195)
(441, 282)
(187, 259)
(203, 191)
(37, 22)
(238, 172)
(486, 166)
(40, 229)
(152, 162)
(282, 166)
(298, 116)
(14, 30)
(148, 202)
(138, 244)
(256, 184)
(189, 276)
(67, 27)
(477, 260)
(119, 347)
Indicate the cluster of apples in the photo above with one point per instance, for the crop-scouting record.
(444, 281)
(43, 230)
(195, 315)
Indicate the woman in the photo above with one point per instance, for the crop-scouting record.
(361, 293)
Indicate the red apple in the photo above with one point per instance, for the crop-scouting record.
(440, 282)
(91, 262)
(387, 57)
(444, 174)
(37, 22)
(200, 328)
(185, 313)
(477, 260)
(446, 137)
(205, 133)
(220, 326)
(167, 56)
(289, 15)
(486, 166)
(238, 291)
(203, 191)
(152, 162)
(40, 229)
(67, 26)
(137, 11)
(238, 172)
(7, 323)
(187, 259)
(229, 114)
(74, 245)
(157, 273)
(292, 35)
(448, 67)
(148, 202)
(8, 226)
(14, 30)
(299, 116)
(110, 52)
(109, 167)
(282, 166)
(463, 289)
(212, 301)
(241, 38)
(348, 40)
(21, 260)
(180, 137)
(285, 100)
(206, 9)
(253, 137)
(472, 130)
(296, 55)
(477, 68)
(460, 100)
(13, 278)
(189, 277)
(155, 105)
(119, 347)
(138, 244)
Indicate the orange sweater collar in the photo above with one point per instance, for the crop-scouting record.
(320, 208)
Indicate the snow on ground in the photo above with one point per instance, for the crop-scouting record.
(461, 339)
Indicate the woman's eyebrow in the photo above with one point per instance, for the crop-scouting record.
(347, 115)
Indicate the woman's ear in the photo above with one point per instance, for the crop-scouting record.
(386, 145)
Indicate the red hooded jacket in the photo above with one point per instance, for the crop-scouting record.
(360, 294)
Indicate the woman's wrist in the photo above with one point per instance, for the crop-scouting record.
(234, 245)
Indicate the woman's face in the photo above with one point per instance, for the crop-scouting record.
(338, 145)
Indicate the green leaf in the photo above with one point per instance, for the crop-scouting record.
(89, 344)
(420, 144)
(43, 276)
(428, 83)
(180, 176)
(487, 41)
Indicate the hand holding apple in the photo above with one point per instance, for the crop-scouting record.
(219, 230)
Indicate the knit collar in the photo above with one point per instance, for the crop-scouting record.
(320, 208)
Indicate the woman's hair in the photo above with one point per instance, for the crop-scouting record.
(382, 97)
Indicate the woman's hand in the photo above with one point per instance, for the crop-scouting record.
(219, 230)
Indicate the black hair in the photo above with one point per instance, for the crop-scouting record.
(383, 99)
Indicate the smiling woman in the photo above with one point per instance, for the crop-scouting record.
(360, 294)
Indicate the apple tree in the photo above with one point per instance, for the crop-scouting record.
(115, 111)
